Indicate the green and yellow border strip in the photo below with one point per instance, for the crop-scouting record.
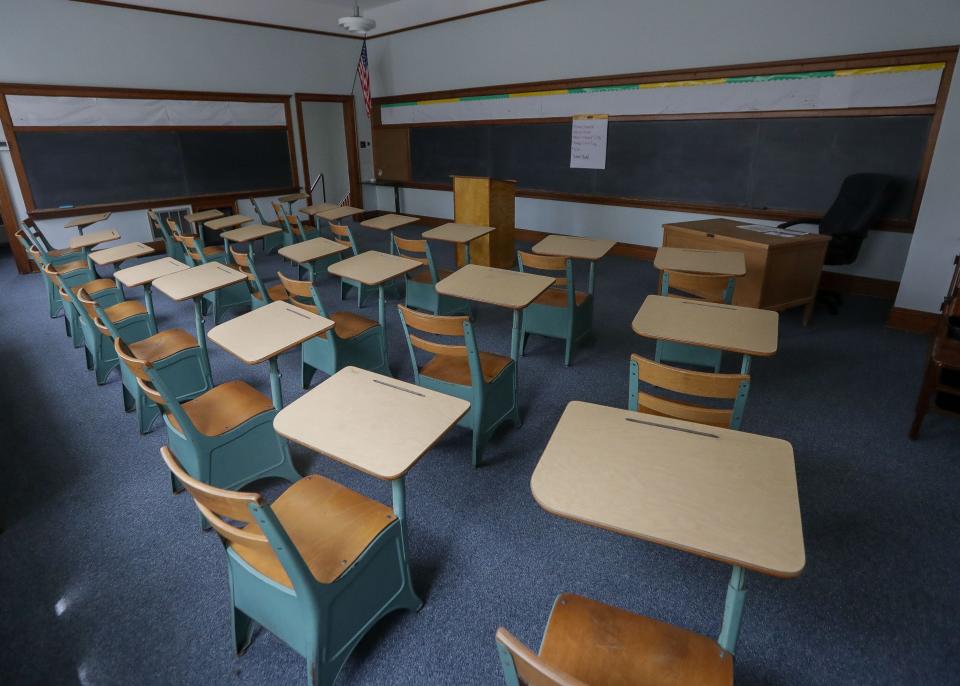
(829, 73)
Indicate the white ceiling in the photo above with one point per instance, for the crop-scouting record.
(322, 15)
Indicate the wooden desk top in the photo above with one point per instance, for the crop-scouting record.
(203, 216)
(230, 222)
(147, 272)
(717, 493)
(92, 239)
(268, 331)
(313, 249)
(317, 208)
(373, 423)
(373, 268)
(86, 220)
(452, 232)
(251, 232)
(338, 213)
(120, 253)
(513, 290)
(744, 330)
(574, 247)
(388, 222)
(728, 228)
(195, 281)
(293, 197)
(722, 262)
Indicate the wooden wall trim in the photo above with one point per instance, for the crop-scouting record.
(135, 93)
(210, 17)
(350, 133)
(913, 321)
(457, 17)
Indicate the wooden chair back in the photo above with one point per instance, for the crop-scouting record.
(89, 305)
(244, 263)
(302, 294)
(412, 248)
(710, 287)
(291, 222)
(139, 368)
(439, 325)
(522, 664)
(191, 248)
(174, 228)
(256, 208)
(711, 385)
(557, 267)
(343, 235)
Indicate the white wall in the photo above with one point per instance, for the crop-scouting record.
(69, 43)
(570, 38)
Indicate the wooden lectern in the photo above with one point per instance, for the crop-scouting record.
(486, 202)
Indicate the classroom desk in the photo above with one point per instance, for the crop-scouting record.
(782, 271)
(691, 261)
(229, 222)
(265, 333)
(387, 223)
(193, 284)
(373, 268)
(744, 330)
(291, 198)
(117, 254)
(144, 275)
(84, 243)
(460, 234)
(372, 423)
(317, 208)
(576, 248)
(495, 286)
(82, 222)
(338, 213)
(196, 219)
(717, 493)
(245, 234)
(308, 252)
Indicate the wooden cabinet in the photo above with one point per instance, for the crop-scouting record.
(782, 272)
(486, 202)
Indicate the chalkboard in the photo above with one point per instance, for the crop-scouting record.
(78, 168)
(791, 163)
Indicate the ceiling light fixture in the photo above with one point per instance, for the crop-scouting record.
(357, 23)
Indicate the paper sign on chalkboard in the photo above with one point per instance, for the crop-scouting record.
(588, 142)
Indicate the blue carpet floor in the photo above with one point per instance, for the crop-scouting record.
(105, 577)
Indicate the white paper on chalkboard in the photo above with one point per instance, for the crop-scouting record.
(588, 142)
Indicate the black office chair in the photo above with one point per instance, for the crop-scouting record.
(858, 206)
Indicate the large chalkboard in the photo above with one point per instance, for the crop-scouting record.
(791, 163)
(76, 168)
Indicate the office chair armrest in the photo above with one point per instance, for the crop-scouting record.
(793, 222)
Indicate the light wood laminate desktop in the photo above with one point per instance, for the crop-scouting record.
(82, 222)
(458, 234)
(718, 493)
(145, 274)
(119, 253)
(691, 261)
(373, 268)
(229, 222)
(338, 213)
(317, 208)
(574, 247)
(293, 197)
(307, 252)
(388, 223)
(267, 332)
(205, 215)
(495, 286)
(92, 239)
(782, 271)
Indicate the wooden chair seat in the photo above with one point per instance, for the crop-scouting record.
(224, 407)
(124, 310)
(423, 275)
(275, 292)
(607, 646)
(162, 345)
(349, 325)
(557, 297)
(329, 524)
(456, 369)
(68, 267)
(60, 252)
(95, 286)
(213, 251)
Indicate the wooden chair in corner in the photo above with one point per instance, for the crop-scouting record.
(487, 380)
(940, 389)
(318, 567)
(710, 287)
(559, 312)
(588, 643)
(420, 291)
(713, 385)
(354, 341)
(224, 436)
(260, 294)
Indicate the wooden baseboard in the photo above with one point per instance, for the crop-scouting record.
(914, 321)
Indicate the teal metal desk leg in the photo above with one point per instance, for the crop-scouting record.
(466, 253)
(399, 499)
(591, 280)
(515, 336)
(201, 336)
(148, 300)
(275, 391)
(310, 271)
(380, 305)
(226, 251)
(393, 250)
(733, 610)
(745, 365)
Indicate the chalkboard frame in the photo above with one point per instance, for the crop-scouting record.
(231, 196)
(948, 55)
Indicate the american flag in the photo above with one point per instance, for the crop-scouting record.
(364, 74)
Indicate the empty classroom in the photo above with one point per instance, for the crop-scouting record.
(542, 343)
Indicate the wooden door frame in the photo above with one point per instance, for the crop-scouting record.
(10, 225)
(349, 133)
